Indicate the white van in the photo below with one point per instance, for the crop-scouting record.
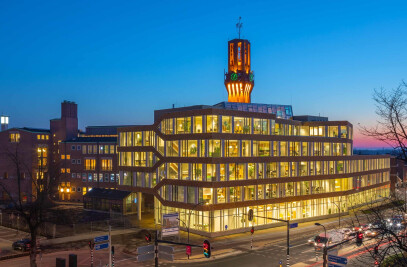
(331, 238)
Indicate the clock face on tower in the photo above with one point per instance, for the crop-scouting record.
(233, 76)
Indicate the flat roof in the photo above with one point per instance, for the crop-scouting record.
(103, 193)
(92, 139)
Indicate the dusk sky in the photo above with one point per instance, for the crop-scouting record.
(121, 60)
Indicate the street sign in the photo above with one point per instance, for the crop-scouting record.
(166, 249)
(101, 246)
(101, 238)
(293, 225)
(189, 250)
(165, 256)
(145, 257)
(337, 259)
(334, 265)
(145, 249)
(170, 224)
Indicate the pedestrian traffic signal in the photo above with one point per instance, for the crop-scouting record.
(112, 250)
(147, 237)
(359, 238)
(207, 249)
(250, 215)
(252, 230)
(376, 250)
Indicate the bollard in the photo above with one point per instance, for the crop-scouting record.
(60, 262)
(73, 260)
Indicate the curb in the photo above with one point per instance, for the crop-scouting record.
(14, 256)
(217, 257)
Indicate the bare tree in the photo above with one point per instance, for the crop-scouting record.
(391, 107)
(385, 241)
(31, 206)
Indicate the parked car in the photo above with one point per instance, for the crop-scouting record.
(23, 244)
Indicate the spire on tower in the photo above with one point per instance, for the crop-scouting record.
(239, 26)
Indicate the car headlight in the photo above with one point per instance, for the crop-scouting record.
(398, 225)
(391, 224)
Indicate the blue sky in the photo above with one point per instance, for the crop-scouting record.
(120, 60)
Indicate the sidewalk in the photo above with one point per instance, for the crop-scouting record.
(87, 236)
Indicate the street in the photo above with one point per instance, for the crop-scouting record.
(269, 247)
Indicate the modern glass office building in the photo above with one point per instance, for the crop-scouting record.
(216, 163)
(211, 164)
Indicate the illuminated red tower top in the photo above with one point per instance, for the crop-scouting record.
(239, 80)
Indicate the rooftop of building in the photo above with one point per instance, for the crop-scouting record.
(91, 139)
(107, 194)
(281, 111)
(33, 130)
(309, 118)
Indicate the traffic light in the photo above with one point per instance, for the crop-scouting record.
(207, 249)
(91, 245)
(376, 250)
(112, 250)
(252, 230)
(147, 237)
(250, 215)
(359, 238)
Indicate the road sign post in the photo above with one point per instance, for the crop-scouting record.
(112, 248)
(91, 245)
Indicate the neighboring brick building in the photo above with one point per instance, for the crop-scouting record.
(64, 128)
(30, 147)
(87, 162)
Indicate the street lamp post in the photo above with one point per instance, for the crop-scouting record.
(339, 208)
(325, 247)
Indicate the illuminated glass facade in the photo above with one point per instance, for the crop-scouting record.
(216, 163)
